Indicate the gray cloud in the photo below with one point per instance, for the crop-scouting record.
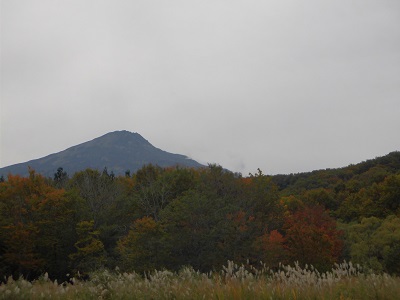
(285, 86)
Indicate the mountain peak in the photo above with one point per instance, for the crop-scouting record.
(123, 134)
(121, 137)
(119, 151)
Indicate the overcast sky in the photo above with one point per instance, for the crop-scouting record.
(285, 86)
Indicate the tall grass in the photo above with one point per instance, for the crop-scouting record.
(344, 281)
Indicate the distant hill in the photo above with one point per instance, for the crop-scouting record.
(365, 173)
(118, 151)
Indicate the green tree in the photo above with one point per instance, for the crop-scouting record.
(194, 225)
(262, 201)
(156, 187)
(387, 240)
(153, 191)
(60, 178)
(320, 196)
(374, 243)
(104, 202)
(390, 195)
(98, 190)
(56, 216)
(142, 249)
(90, 254)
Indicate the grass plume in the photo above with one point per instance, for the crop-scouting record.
(344, 281)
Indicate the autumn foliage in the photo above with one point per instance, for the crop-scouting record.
(312, 237)
(174, 217)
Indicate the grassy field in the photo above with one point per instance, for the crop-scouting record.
(345, 281)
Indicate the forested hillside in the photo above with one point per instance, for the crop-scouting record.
(172, 217)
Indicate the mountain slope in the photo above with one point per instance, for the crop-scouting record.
(364, 173)
(119, 151)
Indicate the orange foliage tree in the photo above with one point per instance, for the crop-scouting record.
(271, 247)
(35, 219)
(18, 231)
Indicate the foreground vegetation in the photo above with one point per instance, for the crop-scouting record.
(168, 218)
(345, 281)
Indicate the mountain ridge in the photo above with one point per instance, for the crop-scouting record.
(118, 151)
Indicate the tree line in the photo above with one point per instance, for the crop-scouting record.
(172, 217)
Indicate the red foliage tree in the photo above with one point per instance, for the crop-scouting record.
(312, 237)
(271, 247)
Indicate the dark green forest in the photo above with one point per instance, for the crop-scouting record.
(166, 218)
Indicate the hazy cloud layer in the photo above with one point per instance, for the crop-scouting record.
(285, 86)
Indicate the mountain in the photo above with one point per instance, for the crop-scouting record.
(118, 151)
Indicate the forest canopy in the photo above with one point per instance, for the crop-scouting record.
(172, 217)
